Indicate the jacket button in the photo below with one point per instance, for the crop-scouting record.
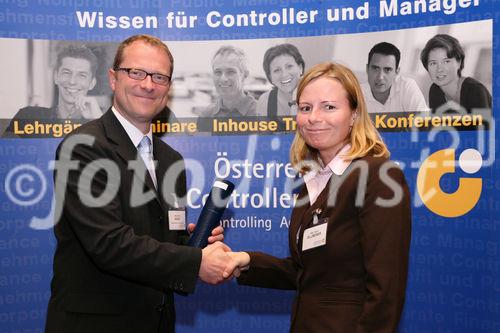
(160, 219)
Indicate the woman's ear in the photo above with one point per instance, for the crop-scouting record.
(354, 116)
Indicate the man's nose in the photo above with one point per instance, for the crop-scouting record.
(73, 79)
(147, 83)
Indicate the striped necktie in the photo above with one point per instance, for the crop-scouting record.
(144, 148)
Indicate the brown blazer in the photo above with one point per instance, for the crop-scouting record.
(356, 282)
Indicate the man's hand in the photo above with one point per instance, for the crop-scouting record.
(214, 260)
(88, 107)
(217, 233)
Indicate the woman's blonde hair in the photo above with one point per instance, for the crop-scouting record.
(364, 138)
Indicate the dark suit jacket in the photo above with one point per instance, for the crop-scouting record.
(116, 266)
(356, 282)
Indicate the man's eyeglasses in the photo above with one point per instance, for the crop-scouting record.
(139, 74)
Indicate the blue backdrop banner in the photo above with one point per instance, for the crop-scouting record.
(454, 274)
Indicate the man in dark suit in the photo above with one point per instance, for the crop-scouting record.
(119, 254)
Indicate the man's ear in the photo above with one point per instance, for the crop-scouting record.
(92, 84)
(112, 78)
(245, 74)
(55, 76)
(397, 70)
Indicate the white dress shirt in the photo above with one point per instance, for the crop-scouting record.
(316, 180)
(405, 96)
(136, 136)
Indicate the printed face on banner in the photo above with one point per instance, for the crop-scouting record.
(442, 70)
(228, 76)
(140, 100)
(74, 79)
(381, 72)
(325, 117)
(285, 73)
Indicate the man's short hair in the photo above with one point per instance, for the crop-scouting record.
(147, 39)
(239, 53)
(78, 52)
(387, 49)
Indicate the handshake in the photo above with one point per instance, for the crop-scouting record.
(218, 262)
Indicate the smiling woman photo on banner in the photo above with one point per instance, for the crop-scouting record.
(443, 57)
(283, 65)
(350, 230)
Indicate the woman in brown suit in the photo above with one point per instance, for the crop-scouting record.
(350, 229)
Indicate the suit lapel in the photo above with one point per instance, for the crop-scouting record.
(116, 134)
(296, 228)
(125, 148)
(305, 215)
(161, 167)
(319, 204)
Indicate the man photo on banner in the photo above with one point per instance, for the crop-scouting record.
(120, 251)
(229, 71)
(74, 76)
(386, 90)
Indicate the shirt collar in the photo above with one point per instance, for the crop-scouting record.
(242, 107)
(395, 87)
(337, 165)
(133, 132)
(367, 91)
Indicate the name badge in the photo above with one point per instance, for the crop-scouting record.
(177, 219)
(315, 236)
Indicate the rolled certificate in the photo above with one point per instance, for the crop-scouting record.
(211, 213)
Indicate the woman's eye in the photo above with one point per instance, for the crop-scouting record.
(304, 108)
(330, 107)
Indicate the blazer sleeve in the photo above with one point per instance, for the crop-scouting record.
(267, 271)
(110, 243)
(385, 239)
